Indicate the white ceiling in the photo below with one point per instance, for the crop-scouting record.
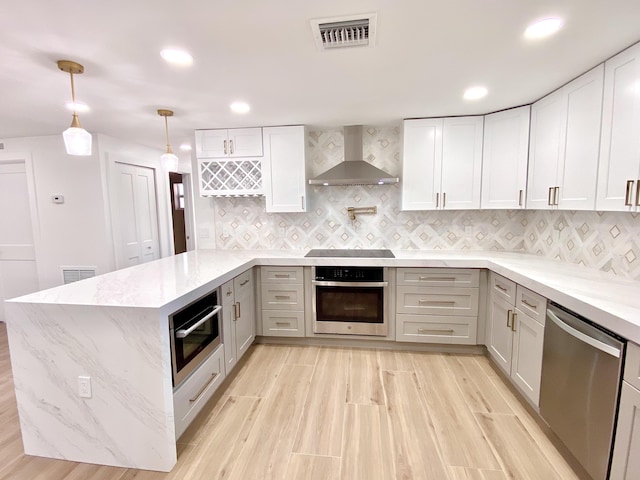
(263, 52)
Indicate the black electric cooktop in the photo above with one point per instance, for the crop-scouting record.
(349, 253)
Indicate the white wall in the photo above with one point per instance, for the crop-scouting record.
(204, 212)
(113, 150)
(74, 233)
(78, 232)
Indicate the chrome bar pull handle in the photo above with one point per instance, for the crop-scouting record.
(225, 147)
(231, 147)
(184, 333)
(549, 200)
(638, 193)
(530, 305)
(520, 197)
(556, 194)
(437, 200)
(628, 193)
(203, 388)
(302, 202)
(436, 330)
(444, 199)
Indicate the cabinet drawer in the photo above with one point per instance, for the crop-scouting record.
(531, 303)
(632, 365)
(445, 277)
(282, 323)
(281, 274)
(436, 329)
(192, 395)
(282, 297)
(437, 301)
(242, 283)
(502, 287)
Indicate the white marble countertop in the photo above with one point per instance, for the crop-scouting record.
(609, 300)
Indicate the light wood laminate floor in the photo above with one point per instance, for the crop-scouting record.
(334, 413)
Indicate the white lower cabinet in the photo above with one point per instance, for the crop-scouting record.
(431, 307)
(625, 464)
(282, 301)
(196, 390)
(238, 319)
(515, 334)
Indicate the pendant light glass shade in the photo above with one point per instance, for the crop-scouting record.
(168, 159)
(77, 140)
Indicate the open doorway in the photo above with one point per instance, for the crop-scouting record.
(177, 194)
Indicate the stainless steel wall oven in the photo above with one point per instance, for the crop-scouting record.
(194, 335)
(350, 300)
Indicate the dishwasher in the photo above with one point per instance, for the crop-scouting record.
(580, 386)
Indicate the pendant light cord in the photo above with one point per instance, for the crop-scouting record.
(73, 93)
(75, 123)
(166, 128)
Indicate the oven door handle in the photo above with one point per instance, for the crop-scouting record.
(320, 283)
(185, 333)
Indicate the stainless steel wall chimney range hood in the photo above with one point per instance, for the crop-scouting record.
(353, 170)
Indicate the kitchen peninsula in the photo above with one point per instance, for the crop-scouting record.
(114, 329)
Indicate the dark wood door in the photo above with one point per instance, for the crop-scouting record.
(177, 212)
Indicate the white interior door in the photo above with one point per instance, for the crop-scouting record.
(18, 273)
(136, 215)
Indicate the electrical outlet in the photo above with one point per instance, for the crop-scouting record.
(84, 386)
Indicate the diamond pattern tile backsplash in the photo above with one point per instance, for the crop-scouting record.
(609, 241)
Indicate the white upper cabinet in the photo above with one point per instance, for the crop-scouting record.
(421, 163)
(504, 159)
(224, 143)
(442, 163)
(284, 169)
(619, 173)
(229, 161)
(564, 150)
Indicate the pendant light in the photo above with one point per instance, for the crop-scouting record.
(77, 140)
(169, 159)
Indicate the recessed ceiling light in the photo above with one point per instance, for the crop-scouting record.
(77, 106)
(185, 147)
(543, 28)
(176, 56)
(474, 93)
(240, 107)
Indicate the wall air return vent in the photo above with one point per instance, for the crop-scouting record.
(349, 31)
(73, 274)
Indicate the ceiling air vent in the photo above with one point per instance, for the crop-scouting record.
(350, 31)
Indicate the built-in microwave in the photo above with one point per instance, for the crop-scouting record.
(194, 335)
